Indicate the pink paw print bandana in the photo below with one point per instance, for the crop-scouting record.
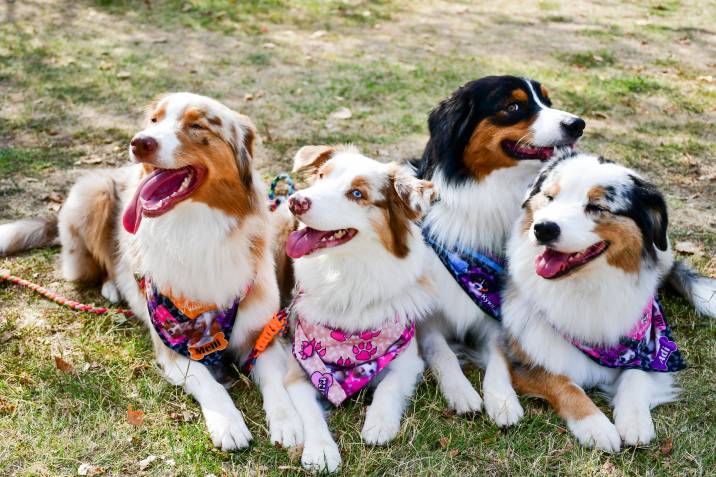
(339, 363)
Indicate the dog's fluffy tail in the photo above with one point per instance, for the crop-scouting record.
(25, 234)
(699, 290)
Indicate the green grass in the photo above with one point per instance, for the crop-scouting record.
(77, 75)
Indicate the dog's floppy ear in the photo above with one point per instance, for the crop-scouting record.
(310, 158)
(242, 136)
(648, 210)
(451, 125)
(415, 195)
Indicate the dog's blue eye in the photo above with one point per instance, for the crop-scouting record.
(357, 194)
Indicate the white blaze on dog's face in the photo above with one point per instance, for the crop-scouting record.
(192, 148)
(354, 202)
(583, 209)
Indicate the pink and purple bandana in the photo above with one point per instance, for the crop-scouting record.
(648, 346)
(339, 363)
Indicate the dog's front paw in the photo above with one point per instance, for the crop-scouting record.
(321, 456)
(635, 426)
(505, 410)
(380, 427)
(596, 431)
(110, 291)
(227, 429)
(461, 396)
(285, 427)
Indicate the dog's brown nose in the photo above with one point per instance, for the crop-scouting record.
(143, 147)
(298, 204)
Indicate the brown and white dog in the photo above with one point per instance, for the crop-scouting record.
(360, 266)
(190, 215)
(586, 260)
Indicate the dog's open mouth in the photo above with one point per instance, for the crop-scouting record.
(529, 152)
(307, 240)
(159, 192)
(553, 264)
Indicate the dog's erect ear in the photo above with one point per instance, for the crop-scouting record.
(242, 136)
(416, 195)
(648, 210)
(310, 158)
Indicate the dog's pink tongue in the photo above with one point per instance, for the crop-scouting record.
(550, 262)
(133, 215)
(302, 242)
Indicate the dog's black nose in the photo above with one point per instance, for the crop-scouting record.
(546, 232)
(574, 127)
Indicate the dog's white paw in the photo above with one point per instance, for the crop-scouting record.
(227, 429)
(596, 431)
(462, 396)
(110, 291)
(505, 410)
(380, 427)
(285, 427)
(321, 456)
(635, 426)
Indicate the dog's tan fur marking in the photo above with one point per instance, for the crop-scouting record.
(544, 91)
(553, 189)
(529, 217)
(519, 95)
(484, 152)
(595, 194)
(223, 187)
(397, 215)
(310, 158)
(625, 243)
(294, 372)
(567, 399)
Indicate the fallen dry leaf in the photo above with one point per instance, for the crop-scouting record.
(248, 97)
(452, 453)
(89, 160)
(443, 442)
(343, 113)
(295, 453)
(686, 247)
(55, 197)
(63, 365)
(667, 446)
(269, 46)
(706, 78)
(124, 75)
(135, 417)
(89, 469)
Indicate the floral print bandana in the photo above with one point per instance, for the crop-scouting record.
(196, 330)
(478, 273)
(339, 363)
(648, 346)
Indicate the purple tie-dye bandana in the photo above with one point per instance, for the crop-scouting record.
(478, 273)
(648, 346)
(199, 331)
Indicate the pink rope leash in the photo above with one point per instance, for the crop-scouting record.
(5, 276)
